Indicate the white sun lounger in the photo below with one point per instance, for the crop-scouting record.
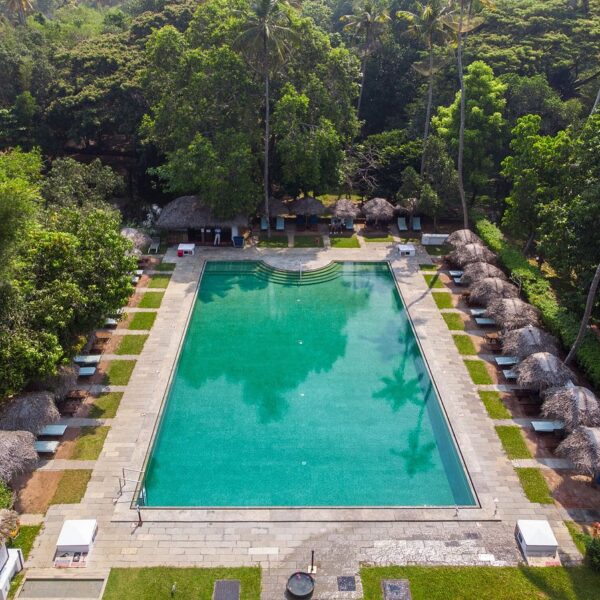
(154, 246)
(86, 371)
(110, 322)
(506, 361)
(279, 224)
(416, 224)
(135, 280)
(139, 272)
(477, 312)
(509, 374)
(457, 280)
(485, 321)
(53, 431)
(547, 426)
(454, 274)
(402, 226)
(87, 359)
(46, 447)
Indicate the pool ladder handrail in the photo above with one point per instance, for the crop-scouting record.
(124, 480)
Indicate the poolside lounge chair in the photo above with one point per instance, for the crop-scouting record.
(46, 447)
(416, 224)
(237, 241)
(455, 274)
(547, 426)
(135, 280)
(53, 431)
(506, 361)
(154, 246)
(86, 371)
(509, 374)
(87, 359)
(110, 322)
(457, 280)
(264, 223)
(485, 321)
(349, 224)
(477, 312)
(279, 224)
(402, 226)
(139, 272)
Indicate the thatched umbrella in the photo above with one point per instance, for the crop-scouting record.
(140, 239)
(60, 384)
(462, 237)
(491, 288)
(276, 208)
(306, 205)
(345, 209)
(8, 523)
(470, 253)
(17, 454)
(582, 447)
(190, 212)
(528, 340)
(541, 371)
(29, 412)
(574, 405)
(476, 271)
(512, 313)
(378, 209)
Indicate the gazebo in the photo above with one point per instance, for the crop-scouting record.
(378, 209)
(17, 454)
(277, 208)
(528, 340)
(29, 412)
(582, 447)
(462, 237)
(489, 289)
(307, 210)
(476, 271)
(345, 209)
(512, 313)
(470, 253)
(574, 405)
(541, 371)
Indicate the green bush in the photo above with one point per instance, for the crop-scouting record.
(558, 320)
(6, 496)
(592, 553)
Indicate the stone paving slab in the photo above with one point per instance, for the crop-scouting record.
(544, 463)
(64, 464)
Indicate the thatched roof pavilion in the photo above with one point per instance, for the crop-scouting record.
(462, 237)
(574, 405)
(476, 271)
(489, 289)
(29, 412)
(541, 371)
(470, 253)
(306, 205)
(276, 208)
(378, 209)
(190, 212)
(140, 239)
(17, 454)
(582, 447)
(60, 384)
(345, 209)
(8, 523)
(528, 340)
(512, 313)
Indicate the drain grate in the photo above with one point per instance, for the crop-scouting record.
(396, 589)
(226, 589)
(346, 584)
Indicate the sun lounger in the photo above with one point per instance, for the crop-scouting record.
(477, 312)
(455, 274)
(154, 246)
(349, 224)
(279, 224)
(86, 371)
(46, 447)
(485, 321)
(110, 322)
(506, 361)
(509, 374)
(547, 426)
(139, 272)
(135, 280)
(87, 359)
(53, 431)
(237, 241)
(416, 224)
(402, 226)
(457, 280)
(264, 223)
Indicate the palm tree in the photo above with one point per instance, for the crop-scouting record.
(19, 8)
(265, 39)
(366, 21)
(596, 102)
(428, 24)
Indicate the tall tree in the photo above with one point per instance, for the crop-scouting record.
(20, 8)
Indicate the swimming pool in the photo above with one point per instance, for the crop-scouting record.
(302, 390)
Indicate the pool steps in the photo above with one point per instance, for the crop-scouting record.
(263, 271)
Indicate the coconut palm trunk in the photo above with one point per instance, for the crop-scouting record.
(586, 317)
(428, 111)
(267, 134)
(596, 102)
(461, 132)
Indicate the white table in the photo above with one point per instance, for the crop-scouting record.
(186, 249)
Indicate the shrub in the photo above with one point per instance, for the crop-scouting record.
(592, 553)
(6, 496)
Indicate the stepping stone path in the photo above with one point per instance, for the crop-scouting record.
(396, 589)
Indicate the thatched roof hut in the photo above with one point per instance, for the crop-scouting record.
(378, 209)
(512, 313)
(541, 371)
(140, 239)
(345, 209)
(489, 289)
(470, 253)
(528, 340)
(190, 212)
(462, 237)
(276, 208)
(574, 405)
(476, 271)
(17, 454)
(60, 384)
(582, 447)
(29, 412)
(8, 523)
(306, 205)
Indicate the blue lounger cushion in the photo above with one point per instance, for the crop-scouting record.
(349, 224)
(402, 226)
(279, 224)
(45, 447)
(87, 359)
(53, 431)
(86, 371)
(416, 223)
(264, 223)
(485, 321)
(506, 361)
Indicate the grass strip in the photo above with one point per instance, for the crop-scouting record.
(464, 344)
(454, 321)
(534, 485)
(443, 299)
(119, 372)
(433, 281)
(513, 442)
(71, 487)
(308, 241)
(142, 321)
(478, 372)
(276, 241)
(159, 281)
(132, 344)
(579, 537)
(105, 405)
(151, 300)
(494, 405)
(428, 267)
(378, 239)
(344, 242)
(89, 443)
(164, 266)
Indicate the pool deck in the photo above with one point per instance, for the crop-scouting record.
(280, 540)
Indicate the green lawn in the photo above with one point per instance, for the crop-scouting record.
(378, 238)
(433, 280)
(164, 267)
(119, 372)
(72, 486)
(132, 344)
(513, 442)
(437, 250)
(155, 583)
(308, 241)
(151, 300)
(478, 372)
(276, 241)
(454, 321)
(579, 537)
(142, 321)
(486, 583)
(89, 443)
(494, 405)
(24, 540)
(465, 344)
(344, 242)
(105, 406)
(159, 281)
(534, 485)
(428, 267)
(443, 299)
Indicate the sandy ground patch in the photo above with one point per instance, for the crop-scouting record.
(35, 491)
(571, 490)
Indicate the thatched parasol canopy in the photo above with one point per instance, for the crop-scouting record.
(8, 523)
(470, 253)
(276, 208)
(345, 209)
(512, 313)
(306, 205)
(582, 447)
(189, 212)
(140, 239)
(378, 209)
(542, 370)
(528, 340)
(489, 289)
(574, 405)
(462, 237)
(17, 454)
(29, 412)
(60, 384)
(476, 271)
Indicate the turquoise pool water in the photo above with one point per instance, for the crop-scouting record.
(308, 392)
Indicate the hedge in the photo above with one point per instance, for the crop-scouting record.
(563, 323)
